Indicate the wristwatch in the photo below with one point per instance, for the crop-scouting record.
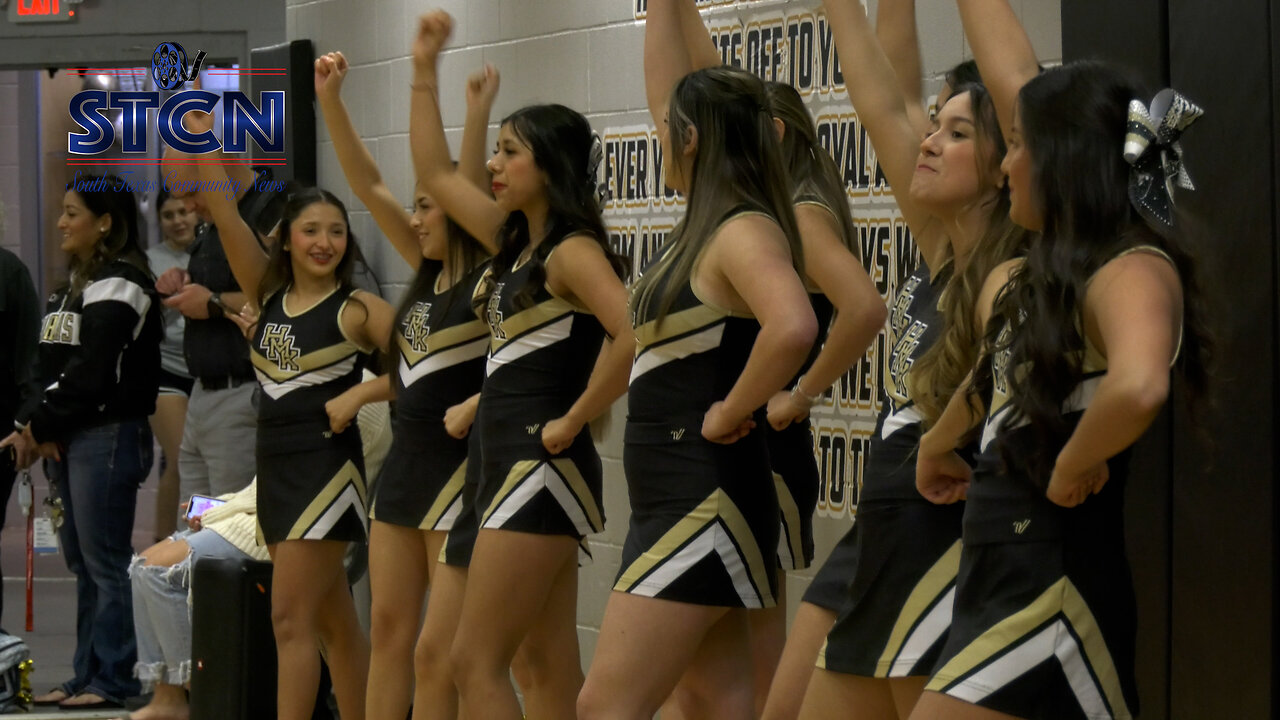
(216, 308)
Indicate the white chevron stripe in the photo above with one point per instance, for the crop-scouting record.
(517, 348)
(659, 355)
(925, 635)
(441, 360)
(544, 476)
(711, 539)
(903, 418)
(1053, 641)
(348, 499)
(316, 377)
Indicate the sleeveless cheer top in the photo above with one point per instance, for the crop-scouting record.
(440, 347)
(689, 360)
(1007, 504)
(540, 355)
(914, 326)
(302, 361)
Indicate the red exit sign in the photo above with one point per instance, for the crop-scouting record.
(30, 11)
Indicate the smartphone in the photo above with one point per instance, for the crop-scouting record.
(200, 504)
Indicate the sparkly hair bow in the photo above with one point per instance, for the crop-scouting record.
(599, 190)
(1151, 147)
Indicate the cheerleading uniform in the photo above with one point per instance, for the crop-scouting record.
(541, 355)
(891, 577)
(795, 469)
(704, 516)
(440, 350)
(1045, 614)
(310, 479)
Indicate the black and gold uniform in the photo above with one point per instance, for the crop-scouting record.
(310, 480)
(795, 468)
(440, 346)
(704, 516)
(1045, 614)
(891, 578)
(542, 351)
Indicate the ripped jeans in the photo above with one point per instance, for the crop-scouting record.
(162, 612)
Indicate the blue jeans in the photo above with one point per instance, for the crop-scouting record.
(98, 481)
(162, 612)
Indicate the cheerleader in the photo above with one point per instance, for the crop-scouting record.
(723, 322)
(313, 333)
(882, 598)
(850, 313)
(551, 296)
(1080, 341)
(438, 356)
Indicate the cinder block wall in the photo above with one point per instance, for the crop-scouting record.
(587, 54)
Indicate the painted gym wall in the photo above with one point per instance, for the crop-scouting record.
(587, 54)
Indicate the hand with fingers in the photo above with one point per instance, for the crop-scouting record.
(943, 479)
(1070, 488)
(434, 29)
(720, 426)
(330, 71)
(482, 86)
(783, 410)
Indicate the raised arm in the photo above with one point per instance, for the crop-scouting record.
(462, 201)
(357, 164)
(1003, 51)
(666, 58)
(896, 30)
(244, 251)
(482, 88)
(1133, 310)
(860, 312)
(874, 91)
(697, 40)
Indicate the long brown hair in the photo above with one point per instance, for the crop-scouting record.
(814, 175)
(737, 164)
(938, 372)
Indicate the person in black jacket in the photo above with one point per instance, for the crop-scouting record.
(19, 328)
(99, 363)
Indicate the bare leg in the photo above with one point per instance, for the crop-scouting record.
(303, 578)
(906, 693)
(808, 633)
(547, 665)
(645, 647)
(851, 696)
(936, 706)
(511, 577)
(166, 424)
(435, 696)
(398, 573)
(768, 633)
(345, 648)
(718, 681)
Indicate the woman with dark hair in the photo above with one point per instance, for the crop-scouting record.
(99, 361)
(850, 313)
(439, 351)
(722, 324)
(313, 333)
(552, 294)
(177, 232)
(877, 613)
(1078, 349)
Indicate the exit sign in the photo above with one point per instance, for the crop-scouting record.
(34, 11)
